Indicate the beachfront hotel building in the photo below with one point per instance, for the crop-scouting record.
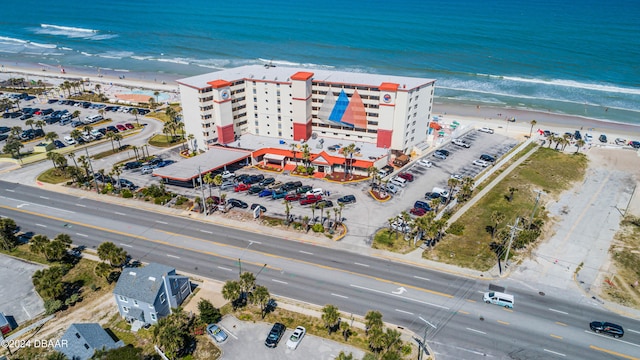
(294, 105)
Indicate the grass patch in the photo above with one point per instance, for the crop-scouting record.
(22, 252)
(161, 140)
(547, 170)
(390, 240)
(626, 258)
(506, 165)
(54, 176)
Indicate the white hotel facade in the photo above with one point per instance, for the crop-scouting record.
(291, 104)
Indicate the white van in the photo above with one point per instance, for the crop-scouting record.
(498, 298)
(93, 118)
(443, 193)
(399, 181)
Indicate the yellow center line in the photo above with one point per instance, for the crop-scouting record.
(503, 322)
(556, 336)
(209, 242)
(463, 312)
(471, 300)
(507, 309)
(614, 353)
(561, 324)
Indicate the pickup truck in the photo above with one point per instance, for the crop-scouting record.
(227, 174)
(460, 143)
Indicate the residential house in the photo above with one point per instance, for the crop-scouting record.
(81, 341)
(148, 293)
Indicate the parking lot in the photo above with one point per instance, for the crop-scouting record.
(246, 341)
(19, 298)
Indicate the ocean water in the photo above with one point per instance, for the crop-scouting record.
(578, 57)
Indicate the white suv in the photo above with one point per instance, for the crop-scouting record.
(460, 143)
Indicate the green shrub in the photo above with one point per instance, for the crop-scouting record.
(456, 228)
(74, 298)
(317, 228)
(51, 306)
(181, 200)
(126, 193)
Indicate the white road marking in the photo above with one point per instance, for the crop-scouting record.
(365, 265)
(9, 190)
(173, 256)
(224, 268)
(127, 245)
(206, 231)
(421, 278)
(609, 337)
(634, 331)
(44, 206)
(81, 205)
(25, 310)
(280, 281)
(340, 296)
(119, 213)
(162, 222)
(478, 331)
(83, 235)
(404, 312)
(41, 225)
(399, 296)
(44, 197)
(558, 311)
(306, 252)
(555, 353)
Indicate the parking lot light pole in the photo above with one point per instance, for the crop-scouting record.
(240, 258)
(423, 346)
(204, 205)
(95, 182)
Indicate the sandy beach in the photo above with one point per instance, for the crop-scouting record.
(121, 82)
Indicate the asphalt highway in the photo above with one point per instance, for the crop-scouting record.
(449, 307)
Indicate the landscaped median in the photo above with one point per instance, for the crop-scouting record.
(482, 234)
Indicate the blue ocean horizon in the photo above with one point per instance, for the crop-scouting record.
(568, 57)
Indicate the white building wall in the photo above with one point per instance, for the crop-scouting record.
(193, 124)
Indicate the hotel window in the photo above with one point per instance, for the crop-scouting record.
(255, 99)
(256, 122)
(255, 107)
(254, 91)
(280, 133)
(255, 116)
(279, 126)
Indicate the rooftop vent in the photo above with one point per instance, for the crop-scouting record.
(132, 273)
(152, 278)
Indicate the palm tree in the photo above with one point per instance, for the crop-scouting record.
(330, 316)
(156, 94)
(30, 122)
(231, 292)
(117, 171)
(16, 130)
(13, 146)
(533, 123)
(51, 136)
(38, 243)
(306, 154)
(247, 282)
(98, 87)
(111, 136)
(579, 143)
(167, 129)
(190, 137)
(72, 156)
(261, 297)
(348, 152)
(152, 104)
(40, 124)
(101, 112)
(76, 114)
(208, 179)
(87, 129)
(52, 156)
(496, 218)
(452, 183)
(512, 190)
(287, 210)
(134, 112)
(372, 171)
(294, 147)
(551, 138)
(118, 137)
(305, 222)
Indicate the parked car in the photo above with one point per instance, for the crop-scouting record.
(129, 126)
(254, 179)
(237, 203)
(406, 176)
(487, 158)
(577, 135)
(255, 189)
(422, 205)
(439, 155)
(296, 337)
(417, 211)
(227, 185)
(603, 138)
(227, 174)
(59, 144)
(291, 185)
(425, 163)
(479, 162)
(486, 130)
(303, 189)
(608, 328)
(4, 129)
(112, 128)
(216, 333)
(292, 197)
(242, 187)
(620, 141)
(132, 165)
(316, 191)
(275, 335)
(460, 143)
(146, 170)
(347, 199)
(278, 194)
(434, 195)
(265, 193)
(121, 127)
(310, 199)
(69, 140)
(634, 144)
(456, 176)
(267, 181)
(324, 203)
(127, 184)
(275, 185)
(391, 188)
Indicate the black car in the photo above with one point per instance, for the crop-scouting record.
(15, 114)
(242, 178)
(441, 154)
(26, 116)
(237, 203)
(324, 203)
(255, 179)
(112, 128)
(52, 101)
(124, 183)
(255, 189)
(3, 137)
(488, 158)
(59, 144)
(422, 205)
(577, 135)
(603, 138)
(347, 199)
(267, 181)
(608, 328)
(275, 335)
(291, 185)
(635, 144)
(4, 129)
(132, 165)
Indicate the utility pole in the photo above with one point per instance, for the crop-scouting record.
(204, 206)
(514, 228)
(423, 343)
(95, 182)
(539, 192)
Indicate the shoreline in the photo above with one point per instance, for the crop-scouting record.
(119, 81)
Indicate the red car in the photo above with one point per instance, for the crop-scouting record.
(121, 127)
(242, 187)
(292, 197)
(129, 126)
(418, 211)
(310, 199)
(406, 176)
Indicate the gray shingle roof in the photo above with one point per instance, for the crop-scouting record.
(142, 284)
(91, 334)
